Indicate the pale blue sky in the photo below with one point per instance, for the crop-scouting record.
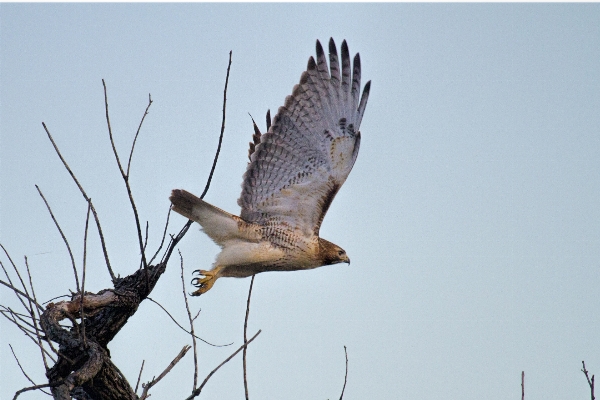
(471, 217)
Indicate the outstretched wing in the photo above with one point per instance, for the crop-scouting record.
(308, 152)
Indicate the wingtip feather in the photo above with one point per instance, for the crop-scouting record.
(346, 72)
(320, 51)
(334, 64)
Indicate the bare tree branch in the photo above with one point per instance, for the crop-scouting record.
(175, 240)
(81, 311)
(13, 316)
(56, 298)
(197, 391)
(85, 196)
(522, 385)
(191, 320)
(138, 132)
(183, 329)
(212, 170)
(22, 370)
(163, 237)
(146, 237)
(34, 317)
(34, 335)
(345, 376)
(590, 381)
(17, 291)
(139, 377)
(36, 387)
(246, 338)
(26, 294)
(165, 372)
(126, 176)
(64, 238)
(106, 313)
(21, 319)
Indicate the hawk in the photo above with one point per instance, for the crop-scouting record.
(296, 168)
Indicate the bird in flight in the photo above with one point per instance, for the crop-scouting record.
(296, 168)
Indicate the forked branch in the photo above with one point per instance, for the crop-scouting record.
(64, 238)
(191, 321)
(153, 382)
(125, 175)
(87, 199)
(590, 381)
(199, 390)
(175, 239)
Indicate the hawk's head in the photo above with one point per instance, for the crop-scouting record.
(330, 253)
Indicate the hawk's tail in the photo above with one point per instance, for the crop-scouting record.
(219, 225)
(183, 203)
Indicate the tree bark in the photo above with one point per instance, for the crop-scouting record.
(84, 369)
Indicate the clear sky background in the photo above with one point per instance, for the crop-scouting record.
(471, 217)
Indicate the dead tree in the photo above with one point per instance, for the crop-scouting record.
(73, 335)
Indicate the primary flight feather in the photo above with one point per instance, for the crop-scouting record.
(296, 168)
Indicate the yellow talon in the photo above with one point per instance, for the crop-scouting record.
(204, 284)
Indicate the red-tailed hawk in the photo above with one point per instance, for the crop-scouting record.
(295, 170)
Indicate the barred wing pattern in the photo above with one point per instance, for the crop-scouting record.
(308, 152)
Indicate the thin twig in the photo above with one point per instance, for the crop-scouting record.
(163, 237)
(165, 372)
(246, 338)
(57, 297)
(183, 329)
(20, 293)
(590, 381)
(31, 301)
(197, 314)
(87, 220)
(126, 180)
(197, 391)
(345, 376)
(522, 385)
(212, 170)
(64, 238)
(34, 336)
(12, 263)
(138, 132)
(20, 317)
(18, 321)
(36, 387)
(27, 333)
(146, 236)
(112, 142)
(34, 317)
(22, 370)
(187, 308)
(85, 196)
(139, 376)
(175, 240)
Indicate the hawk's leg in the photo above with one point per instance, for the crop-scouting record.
(204, 284)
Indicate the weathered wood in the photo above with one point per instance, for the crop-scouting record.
(84, 369)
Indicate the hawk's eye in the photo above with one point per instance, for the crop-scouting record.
(341, 252)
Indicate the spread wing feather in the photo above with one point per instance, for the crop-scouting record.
(307, 153)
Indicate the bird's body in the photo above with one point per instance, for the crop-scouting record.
(296, 168)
